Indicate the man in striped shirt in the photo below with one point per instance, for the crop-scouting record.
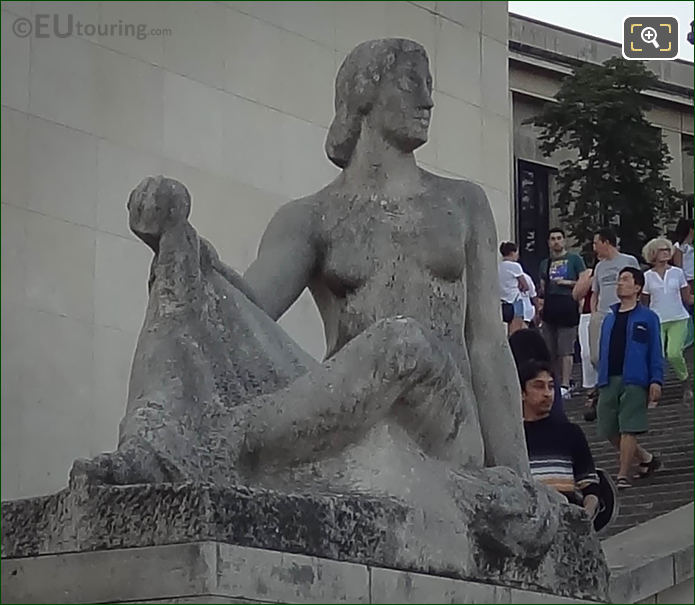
(558, 452)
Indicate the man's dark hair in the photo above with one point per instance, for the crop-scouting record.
(683, 227)
(637, 275)
(556, 230)
(590, 259)
(531, 369)
(527, 345)
(608, 235)
(506, 248)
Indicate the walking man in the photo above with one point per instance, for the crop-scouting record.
(558, 275)
(604, 282)
(630, 375)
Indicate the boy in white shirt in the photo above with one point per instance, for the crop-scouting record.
(512, 284)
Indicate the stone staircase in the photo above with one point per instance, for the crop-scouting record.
(670, 436)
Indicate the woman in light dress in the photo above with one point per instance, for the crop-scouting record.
(666, 292)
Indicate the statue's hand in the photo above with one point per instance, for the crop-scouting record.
(210, 258)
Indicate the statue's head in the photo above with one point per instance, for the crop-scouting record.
(157, 204)
(388, 80)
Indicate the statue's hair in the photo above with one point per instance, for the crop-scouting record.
(356, 87)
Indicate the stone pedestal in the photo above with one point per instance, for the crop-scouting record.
(211, 572)
(191, 541)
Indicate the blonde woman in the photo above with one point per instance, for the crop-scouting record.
(666, 292)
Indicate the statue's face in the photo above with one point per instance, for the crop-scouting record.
(404, 104)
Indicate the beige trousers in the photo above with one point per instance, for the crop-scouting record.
(595, 324)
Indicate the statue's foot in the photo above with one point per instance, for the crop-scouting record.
(100, 470)
(512, 514)
(128, 465)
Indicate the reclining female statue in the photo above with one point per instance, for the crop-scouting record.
(386, 239)
(418, 393)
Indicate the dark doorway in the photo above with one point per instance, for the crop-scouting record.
(532, 214)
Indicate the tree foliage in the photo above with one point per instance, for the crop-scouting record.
(615, 176)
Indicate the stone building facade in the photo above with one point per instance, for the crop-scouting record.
(540, 55)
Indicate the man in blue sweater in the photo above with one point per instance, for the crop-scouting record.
(630, 375)
(557, 449)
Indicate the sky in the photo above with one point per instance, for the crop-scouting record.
(605, 19)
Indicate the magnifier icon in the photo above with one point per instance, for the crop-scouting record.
(648, 35)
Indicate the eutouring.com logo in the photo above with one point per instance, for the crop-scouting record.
(45, 25)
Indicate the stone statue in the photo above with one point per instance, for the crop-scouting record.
(385, 240)
(417, 403)
(399, 262)
(388, 238)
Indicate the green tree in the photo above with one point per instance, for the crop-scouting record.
(615, 176)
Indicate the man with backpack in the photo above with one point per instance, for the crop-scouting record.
(558, 275)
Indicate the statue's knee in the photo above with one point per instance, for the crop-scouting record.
(402, 330)
(403, 344)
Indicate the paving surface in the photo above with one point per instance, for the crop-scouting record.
(670, 437)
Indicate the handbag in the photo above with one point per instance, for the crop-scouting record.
(507, 312)
(559, 309)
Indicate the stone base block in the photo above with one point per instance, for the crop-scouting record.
(211, 572)
(338, 538)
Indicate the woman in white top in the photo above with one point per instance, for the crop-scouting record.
(684, 253)
(684, 257)
(580, 292)
(512, 284)
(665, 291)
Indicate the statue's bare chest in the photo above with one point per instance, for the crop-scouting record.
(365, 237)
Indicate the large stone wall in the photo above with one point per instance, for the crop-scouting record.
(235, 103)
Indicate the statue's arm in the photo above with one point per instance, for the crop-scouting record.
(494, 375)
(229, 274)
(286, 259)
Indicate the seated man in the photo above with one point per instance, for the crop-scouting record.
(527, 345)
(558, 452)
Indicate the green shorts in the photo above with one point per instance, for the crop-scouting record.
(621, 408)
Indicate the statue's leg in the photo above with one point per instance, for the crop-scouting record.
(170, 384)
(395, 366)
(155, 447)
